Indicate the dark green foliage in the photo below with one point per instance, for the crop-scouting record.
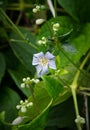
(53, 106)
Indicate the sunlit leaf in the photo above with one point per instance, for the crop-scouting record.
(53, 86)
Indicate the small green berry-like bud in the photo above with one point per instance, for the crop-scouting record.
(21, 101)
(23, 85)
(36, 81)
(80, 120)
(28, 78)
(24, 79)
(26, 101)
(18, 106)
(23, 109)
(56, 26)
(40, 42)
(38, 7)
(30, 104)
(34, 10)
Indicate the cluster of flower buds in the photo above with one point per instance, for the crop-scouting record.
(42, 41)
(24, 105)
(36, 9)
(80, 120)
(27, 81)
(56, 27)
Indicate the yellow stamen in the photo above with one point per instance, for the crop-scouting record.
(43, 61)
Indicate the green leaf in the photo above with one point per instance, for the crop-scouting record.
(39, 122)
(8, 101)
(23, 49)
(53, 86)
(36, 114)
(62, 97)
(2, 116)
(75, 48)
(17, 75)
(69, 6)
(81, 43)
(2, 66)
(78, 9)
(66, 26)
(63, 115)
(40, 95)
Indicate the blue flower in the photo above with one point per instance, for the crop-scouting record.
(43, 62)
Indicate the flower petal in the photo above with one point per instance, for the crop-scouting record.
(52, 64)
(39, 55)
(36, 58)
(41, 70)
(44, 69)
(48, 55)
(35, 61)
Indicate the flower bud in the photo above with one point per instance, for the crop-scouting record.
(36, 81)
(38, 7)
(56, 26)
(23, 85)
(17, 121)
(18, 106)
(34, 10)
(80, 120)
(40, 21)
(23, 109)
(24, 79)
(30, 104)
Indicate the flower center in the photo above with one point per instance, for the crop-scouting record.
(43, 61)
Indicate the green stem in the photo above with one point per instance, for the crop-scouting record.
(19, 17)
(55, 7)
(21, 4)
(74, 88)
(74, 83)
(12, 24)
(76, 107)
(15, 29)
(49, 27)
(73, 63)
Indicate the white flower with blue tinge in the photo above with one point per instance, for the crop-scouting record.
(43, 62)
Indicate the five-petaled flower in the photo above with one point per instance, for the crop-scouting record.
(43, 62)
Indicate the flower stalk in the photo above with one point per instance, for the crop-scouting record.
(34, 99)
(74, 86)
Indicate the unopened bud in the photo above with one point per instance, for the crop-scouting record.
(23, 109)
(17, 121)
(40, 21)
(56, 26)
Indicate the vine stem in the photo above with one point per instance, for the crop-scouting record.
(15, 28)
(76, 107)
(78, 72)
(74, 86)
(55, 7)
